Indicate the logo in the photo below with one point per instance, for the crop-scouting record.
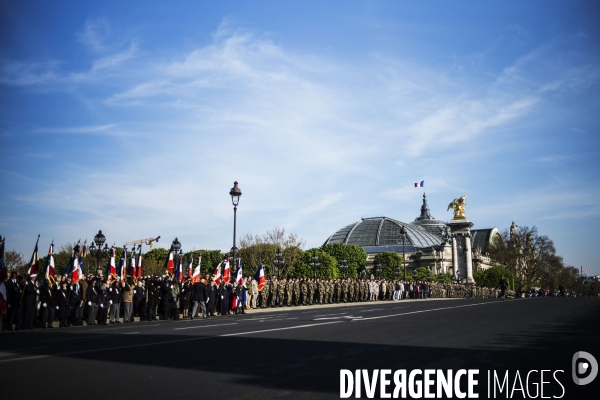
(580, 367)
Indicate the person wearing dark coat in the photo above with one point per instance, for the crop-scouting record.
(153, 298)
(212, 297)
(47, 300)
(30, 292)
(224, 294)
(166, 297)
(92, 299)
(139, 298)
(104, 303)
(239, 291)
(185, 297)
(200, 298)
(62, 304)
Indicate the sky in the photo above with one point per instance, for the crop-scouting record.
(137, 117)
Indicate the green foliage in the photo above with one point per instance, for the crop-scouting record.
(491, 277)
(389, 261)
(422, 274)
(355, 255)
(255, 254)
(328, 268)
(447, 277)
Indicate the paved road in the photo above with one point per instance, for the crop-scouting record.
(298, 353)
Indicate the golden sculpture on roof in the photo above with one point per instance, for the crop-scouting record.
(458, 205)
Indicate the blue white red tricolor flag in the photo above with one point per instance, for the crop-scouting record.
(179, 270)
(170, 263)
(226, 272)
(34, 264)
(50, 265)
(112, 267)
(189, 271)
(139, 264)
(420, 184)
(239, 278)
(260, 277)
(122, 271)
(133, 268)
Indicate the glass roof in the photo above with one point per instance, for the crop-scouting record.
(383, 231)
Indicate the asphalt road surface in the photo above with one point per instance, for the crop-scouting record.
(299, 352)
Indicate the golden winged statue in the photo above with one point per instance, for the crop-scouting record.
(458, 205)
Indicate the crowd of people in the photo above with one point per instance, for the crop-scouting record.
(94, 300)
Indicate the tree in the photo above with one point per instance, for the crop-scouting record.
(531, 257)
(15, 262)
(328, 268)
(491, 277)
(389, 261)
(355, 255)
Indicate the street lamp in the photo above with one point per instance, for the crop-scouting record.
(234, 261)
(278, 261)
(235, 194)
(403, 233)
(175, 246)
(378, 270)
(97, 250)
(344, 266)
(315, 263)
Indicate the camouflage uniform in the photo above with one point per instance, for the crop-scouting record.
(264, 295)
(280, 292)
(296, 292)
(304, 292)
(311, 292)
(273, 288)
(288, 292)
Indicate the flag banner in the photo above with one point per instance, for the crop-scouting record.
(196, 275)
(50, 268)
(420, 184)
(133, 268)
(217, 274)
(75, 269)
(34, 264)
(122, 270)
(226, 272)
(179, 270)
(260, 277)
(139, 264)
(3, 277)
(82, 257)
(112, 267)
(239, 278)
(190, 267)
(169, 263)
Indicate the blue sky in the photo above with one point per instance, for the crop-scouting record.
(136, 117)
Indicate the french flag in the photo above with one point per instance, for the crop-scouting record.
(76, 269)
(179, 271)
(133, 265)
(420, 184)
(189, 267)
(226, 272)
(239, 278)
(50, 265)
(139, 264)
(170, 263)
(34, 264)
(260, 277)
(217, 274)
(123, 264)
(112, 267)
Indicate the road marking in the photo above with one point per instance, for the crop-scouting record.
(9, 353)
(329, 315)
(350, 317)
(203, 326)
(167, 342)
(424, 311)
(130, 333)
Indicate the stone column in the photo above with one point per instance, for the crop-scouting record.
(469, 256)
(454, 256)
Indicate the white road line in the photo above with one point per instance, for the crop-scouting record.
(329, 315)
(166, 342)
(203, 326)
(424, 311)
(344, 317)
(130, 333)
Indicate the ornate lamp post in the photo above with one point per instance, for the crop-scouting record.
(175, 246)
(234, 261)
(235, 194)
(315, 263)
(403, 233)
(344, 266)
(378, 270)
(279, 262)
(98, 251)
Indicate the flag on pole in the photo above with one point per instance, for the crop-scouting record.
(34, 264)
(50, 265)
(122, 270)
(260, 277)
(139, 264)
(75, 268)
(112, 267)
(179, 270)
(226, 272)
(189, 271)
(169, 263)
(133, 267)
(239, 278)
(196, 275)
(217, 274)
(82, 257)
(420, 184)
(3, 277)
